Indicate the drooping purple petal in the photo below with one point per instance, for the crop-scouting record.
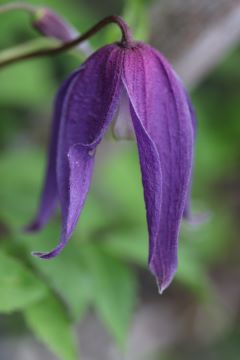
(161, 113)
(88, 108)
(151, 177)
(48, 199)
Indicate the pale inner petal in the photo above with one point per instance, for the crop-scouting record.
(122, 128)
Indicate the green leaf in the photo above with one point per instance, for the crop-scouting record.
(26, 83)
(21, 176)
(70, 281)
(129, 245)
(19, 288)
(49, 322)
(115, 291)
(65, 274)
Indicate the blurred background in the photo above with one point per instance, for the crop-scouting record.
(97, 300)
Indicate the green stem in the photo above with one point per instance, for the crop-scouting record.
(18, 6)
(8, 56)
(33, 45)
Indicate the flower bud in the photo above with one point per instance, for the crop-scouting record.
(50, 24)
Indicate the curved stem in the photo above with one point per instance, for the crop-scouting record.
(126, 41)
(26, 47)
(18, 6)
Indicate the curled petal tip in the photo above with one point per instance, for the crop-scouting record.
(47, 255)
(163, 271)
(163, 285)
(161, 288)
(41, 255)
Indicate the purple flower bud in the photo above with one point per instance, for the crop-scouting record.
(50, 24)
(158, 107)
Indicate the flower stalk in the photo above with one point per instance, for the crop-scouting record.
(126, 41)
(18, 6)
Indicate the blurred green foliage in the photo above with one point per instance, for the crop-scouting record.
(100, 265)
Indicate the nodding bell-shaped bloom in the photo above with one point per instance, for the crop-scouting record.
(139, 78)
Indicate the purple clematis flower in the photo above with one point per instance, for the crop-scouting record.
(163, 122)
